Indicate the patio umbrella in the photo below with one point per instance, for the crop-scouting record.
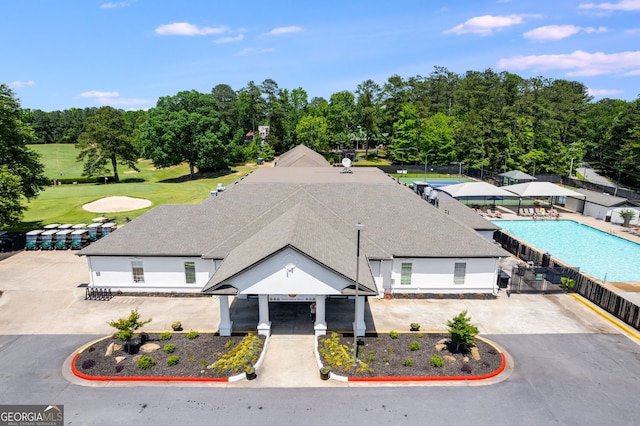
(476, 189)
(541, 189)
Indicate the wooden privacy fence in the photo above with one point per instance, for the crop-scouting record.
(586, 286)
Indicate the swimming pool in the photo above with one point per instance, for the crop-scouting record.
(595, 252)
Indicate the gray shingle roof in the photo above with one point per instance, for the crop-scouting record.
(305, 231)
(301, 156)
(602, 199)
(398, 222)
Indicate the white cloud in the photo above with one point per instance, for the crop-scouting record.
(633, 31)
(284, 30)
(112, 98)
(621, 5)
(603, 92)
(485, 25)
(249, 50)
(18, 84)
(222, 40)
(558, 32)
(185, 28)
(98, 94)
(116, 5)
(578, 63)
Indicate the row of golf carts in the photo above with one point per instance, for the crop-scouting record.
(67, 236)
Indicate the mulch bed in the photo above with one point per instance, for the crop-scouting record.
(194, 355)
(385, 356)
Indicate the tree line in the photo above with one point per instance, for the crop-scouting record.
(490, 120)
(497, 121)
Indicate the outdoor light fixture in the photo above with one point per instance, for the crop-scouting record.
(359, 227)
(459, 163)
(426, 161)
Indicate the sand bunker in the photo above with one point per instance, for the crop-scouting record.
(116, 204)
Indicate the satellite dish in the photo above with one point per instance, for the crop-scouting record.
(346, 162)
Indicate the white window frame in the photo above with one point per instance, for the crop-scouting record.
(459, 272)
(190, 272)
(405, 279)
(137, 270)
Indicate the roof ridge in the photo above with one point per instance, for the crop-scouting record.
(343, 221)
(256, 219)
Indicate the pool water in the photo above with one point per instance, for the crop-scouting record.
(597, 253)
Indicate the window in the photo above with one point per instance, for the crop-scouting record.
(190, 272)
(138, 271)
(459, 273)
(405, 278)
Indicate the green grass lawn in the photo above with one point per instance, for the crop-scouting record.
(63, 203)
(59, 160)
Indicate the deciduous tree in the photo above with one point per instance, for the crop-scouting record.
(21, 173)
(106, 140)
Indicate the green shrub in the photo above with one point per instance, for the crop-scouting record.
(419, 335)
(192, 335)
(408, 362)
(245, 352)
(169, 348)
(394, 334)
(414, 346)
(146, 362)
(165, 335)
(172, 360)
(229, 343)
(436, 361)
(462, 332)
(127, 326)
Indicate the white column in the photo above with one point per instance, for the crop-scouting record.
(320, 326)
(359, 326)
(226, 325)
(264, 325)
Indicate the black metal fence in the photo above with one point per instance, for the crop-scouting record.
(585, 286)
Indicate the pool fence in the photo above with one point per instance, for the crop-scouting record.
(538, 262)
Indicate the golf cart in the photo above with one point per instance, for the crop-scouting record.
(48, 239)
(95, 231)
(79, 239)
(108, 228)
(33, 239)
(63, 239)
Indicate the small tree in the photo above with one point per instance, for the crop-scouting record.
(627, 215)
(461, 331)
(127, 326)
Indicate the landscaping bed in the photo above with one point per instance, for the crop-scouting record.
(385, 356)
(108, 357)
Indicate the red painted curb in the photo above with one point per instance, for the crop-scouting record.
(75, 371)
(432, 378)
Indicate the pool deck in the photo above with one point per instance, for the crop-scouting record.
(628, 290)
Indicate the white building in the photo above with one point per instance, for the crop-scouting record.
(288, 233)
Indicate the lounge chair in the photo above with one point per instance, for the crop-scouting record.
(490, 213)
(498, 214)
(523, 212)
(531, 212)
(540, 212)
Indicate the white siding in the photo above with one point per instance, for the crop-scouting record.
(272, 277)
(161, 274)
(436, 276)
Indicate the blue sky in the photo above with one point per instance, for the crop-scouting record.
(126, 53)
